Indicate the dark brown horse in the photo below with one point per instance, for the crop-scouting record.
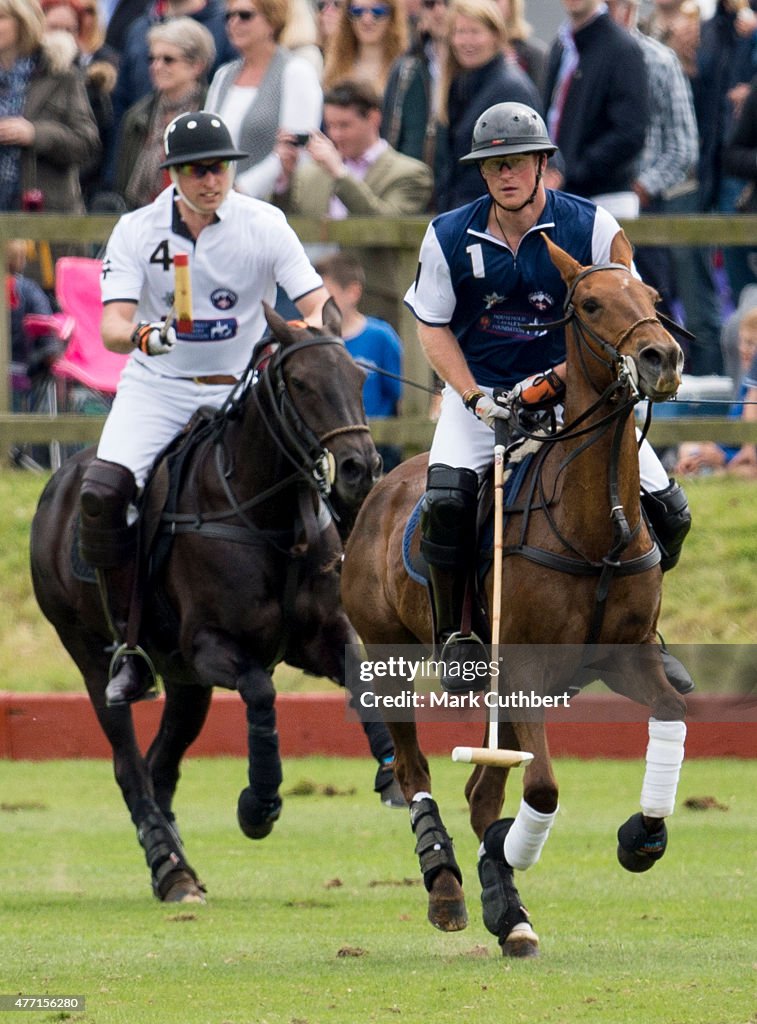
(245, 575)
(579, 569)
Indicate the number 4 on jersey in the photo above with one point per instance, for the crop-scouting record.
(162, 256)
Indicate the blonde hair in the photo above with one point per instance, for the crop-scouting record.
(92, 37)
(300, 29)
(16, 251)
(31, 23)
(276, 13)
(193, 39)
(342, 48)
(486, 13)
(515, 23)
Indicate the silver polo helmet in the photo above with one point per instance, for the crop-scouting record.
(508, 128)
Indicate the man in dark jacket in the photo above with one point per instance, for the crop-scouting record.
(597, 107)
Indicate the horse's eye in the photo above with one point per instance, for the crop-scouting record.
(297, 384)
(591, 306)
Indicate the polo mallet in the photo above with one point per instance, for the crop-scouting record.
(182, 293)
(491, 754)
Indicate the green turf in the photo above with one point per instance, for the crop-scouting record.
(708, 599)
(338, 875)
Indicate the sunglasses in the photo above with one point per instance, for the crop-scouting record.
(322, 5)
(378, 12)
(163, 58)
(242, 15)
(429, 5)
(199, 171)
(493, 165)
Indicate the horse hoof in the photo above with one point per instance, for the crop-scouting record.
(392, 795)
(184, 888)
(387, 787)
(183, 892)
(638, 848)
(522, 942)
(257, 818)
(448, 915)
(446, 904)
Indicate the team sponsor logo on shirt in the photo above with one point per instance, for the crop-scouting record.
(541, 300)
(211, 330)
(224, 298)
(493, 300)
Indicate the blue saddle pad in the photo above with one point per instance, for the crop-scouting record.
(415, 563)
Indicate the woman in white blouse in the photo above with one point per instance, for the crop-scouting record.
(266, 94)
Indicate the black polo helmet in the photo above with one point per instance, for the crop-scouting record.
(508, 128)
(200, 135)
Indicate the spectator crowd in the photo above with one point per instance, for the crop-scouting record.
(365, 107)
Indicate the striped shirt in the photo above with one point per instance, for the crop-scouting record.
(671, 148)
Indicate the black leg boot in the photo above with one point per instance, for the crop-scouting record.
(448, 542)
(669, 520)
(108, 543)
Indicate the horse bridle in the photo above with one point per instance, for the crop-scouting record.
(625, 379)
(300, 445)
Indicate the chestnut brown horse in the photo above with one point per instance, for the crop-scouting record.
(248, 577)
(580, 569)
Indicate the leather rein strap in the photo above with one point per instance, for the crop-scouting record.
(623, 384)
(295, 440)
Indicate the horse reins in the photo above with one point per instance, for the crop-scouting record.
(301, 447)
(624, 380)
(296, 441)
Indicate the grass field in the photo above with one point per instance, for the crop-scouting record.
(324, 921)
(711, 597)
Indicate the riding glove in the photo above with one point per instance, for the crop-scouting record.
(485, 408)
(155, 339)
(539, 391)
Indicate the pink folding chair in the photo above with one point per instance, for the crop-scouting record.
(85, 360)
(85, 363)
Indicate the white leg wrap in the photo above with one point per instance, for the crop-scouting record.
(527, 836)
(664, 759)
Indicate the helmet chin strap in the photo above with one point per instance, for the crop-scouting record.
(173, 174)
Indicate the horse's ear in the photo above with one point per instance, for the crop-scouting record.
(279, 327)
(568, 267)
(332, 318)
(620, 250)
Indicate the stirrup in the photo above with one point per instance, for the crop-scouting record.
(122, 652)
(461, 649)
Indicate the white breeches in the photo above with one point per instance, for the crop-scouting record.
(148, 412)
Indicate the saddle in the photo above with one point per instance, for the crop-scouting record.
(520, 458)
(159, 494)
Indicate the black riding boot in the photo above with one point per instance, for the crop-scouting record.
(669, 519)
(108, 543)
(448, 541)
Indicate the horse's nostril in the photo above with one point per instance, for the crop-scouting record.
(651, 358)
(352, 469)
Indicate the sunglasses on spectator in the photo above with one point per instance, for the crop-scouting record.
(493, 165)
(199, 171)
(429, 5)
(164, 58)
(242, 15)
(323, 4)
(378, 11)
